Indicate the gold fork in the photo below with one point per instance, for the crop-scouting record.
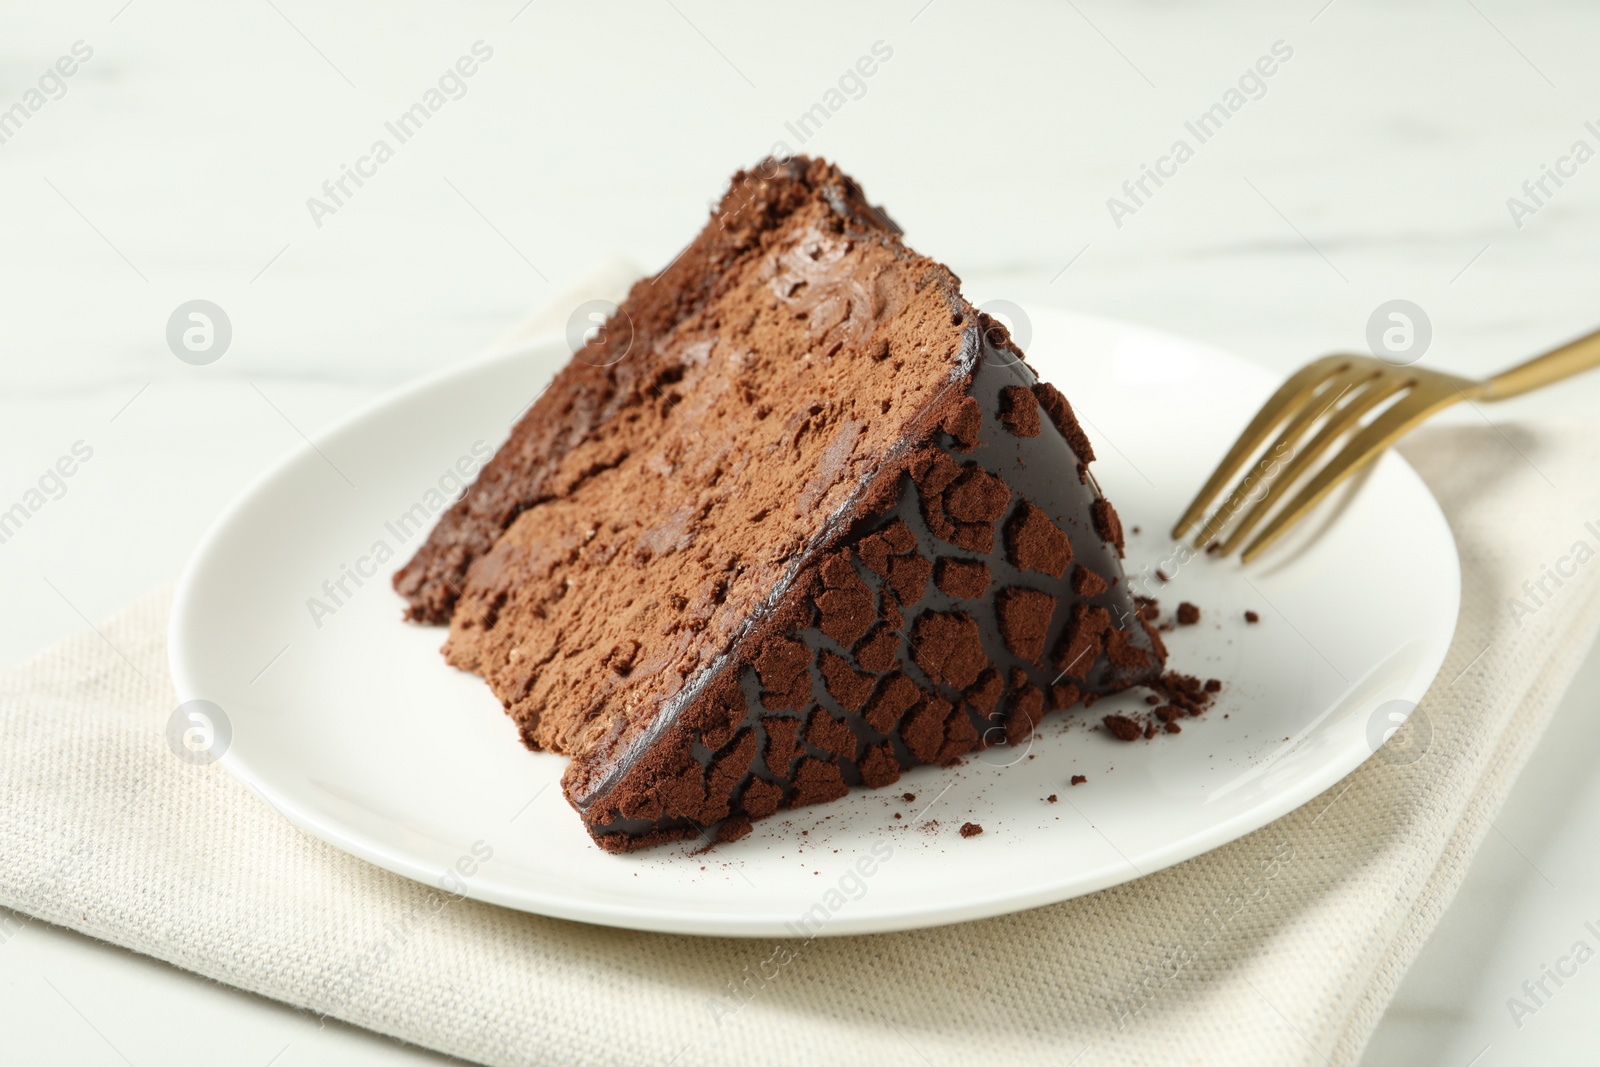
(1330, 396)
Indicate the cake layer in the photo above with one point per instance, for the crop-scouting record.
(739, 438)
(562, 440)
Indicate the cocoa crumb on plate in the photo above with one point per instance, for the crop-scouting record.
(1122, 727)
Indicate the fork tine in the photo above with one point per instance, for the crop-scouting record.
(1365, 446)
(1303, 418)
(1338, 424)
(1277, 408)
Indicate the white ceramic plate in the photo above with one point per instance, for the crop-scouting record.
(350, 724)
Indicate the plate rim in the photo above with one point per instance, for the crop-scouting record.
(751, 924)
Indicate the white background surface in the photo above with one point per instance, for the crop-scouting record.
(178, 163)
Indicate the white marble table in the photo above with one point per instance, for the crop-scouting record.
(177, 160)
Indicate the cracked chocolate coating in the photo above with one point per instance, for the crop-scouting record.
(897, 657)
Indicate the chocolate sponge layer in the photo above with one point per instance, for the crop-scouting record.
(818, 524)
(568, 435)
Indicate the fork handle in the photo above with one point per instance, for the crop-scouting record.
(1571, 358)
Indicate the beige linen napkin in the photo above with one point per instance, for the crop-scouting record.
(1281, 948)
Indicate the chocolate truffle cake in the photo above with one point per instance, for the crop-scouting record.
(800, 518)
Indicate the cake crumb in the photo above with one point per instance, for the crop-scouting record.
(909, 798)
(970, 829)
(1251, 616)
(1188, 614)
(1122, 727)
(1052, 798)
(1079, 779)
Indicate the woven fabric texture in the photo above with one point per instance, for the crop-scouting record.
(1281, 948)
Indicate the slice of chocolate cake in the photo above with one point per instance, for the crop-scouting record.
(804, 520)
